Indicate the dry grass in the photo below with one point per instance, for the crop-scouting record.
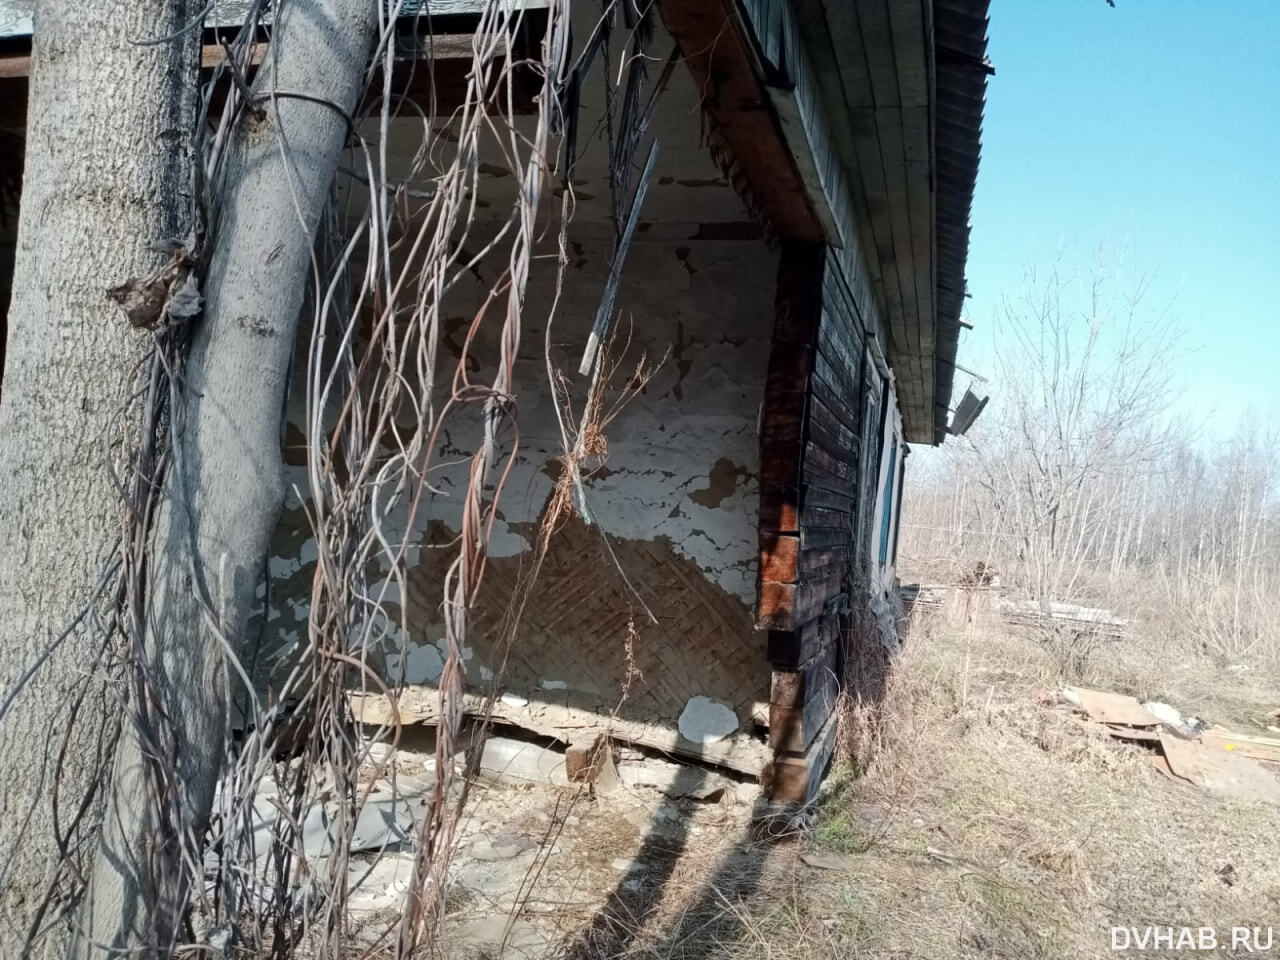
(995, 826)
(991, 825)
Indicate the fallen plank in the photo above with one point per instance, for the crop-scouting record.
(414, 704)
(1266, 749)
(1161, 763)
(1106, 707)
(1219, 771)
(1136, 734)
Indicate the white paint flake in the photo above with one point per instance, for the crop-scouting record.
(704, 720)
(422, 664)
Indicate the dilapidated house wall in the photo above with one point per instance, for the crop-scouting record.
(785, 323)
(646, 613)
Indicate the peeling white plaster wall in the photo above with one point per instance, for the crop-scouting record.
(683, 457)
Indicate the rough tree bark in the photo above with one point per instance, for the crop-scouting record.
(226, 488)
(107, 172)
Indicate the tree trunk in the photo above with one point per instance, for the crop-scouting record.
(108, 172)
(226, 486)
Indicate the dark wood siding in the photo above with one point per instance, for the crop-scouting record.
(820, 434)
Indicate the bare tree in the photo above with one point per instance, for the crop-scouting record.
(108, 172)
(1083, 373)
(225, 488)
(209, 338)
(1079, 485)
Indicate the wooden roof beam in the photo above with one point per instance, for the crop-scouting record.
(720, 57)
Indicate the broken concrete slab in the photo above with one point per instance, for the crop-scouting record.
(495, 880)
(497, 935)
(674, 779)
(385, 821)
(490, 849)
(380, 885)
(506, 759)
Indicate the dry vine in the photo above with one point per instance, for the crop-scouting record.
(378, 394)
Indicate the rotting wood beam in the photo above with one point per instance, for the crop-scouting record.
(719, 56)
(801, 700)
(784, 427)
(804, 546)
(791, 781)
(443, 77)
(421, 705)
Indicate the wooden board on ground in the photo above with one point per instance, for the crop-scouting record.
(1106, 707)
(741, 752)
(1219, 771)
(1135, 734)
(1266, 749)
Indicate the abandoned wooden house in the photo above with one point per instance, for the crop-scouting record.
(795, 282)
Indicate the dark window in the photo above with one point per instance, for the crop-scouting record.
(886, 515)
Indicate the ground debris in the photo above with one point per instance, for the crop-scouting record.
(1105, 707)
(1220, 771)
(827, 861)
(1215, 759)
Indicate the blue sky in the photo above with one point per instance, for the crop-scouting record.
(1152, 127)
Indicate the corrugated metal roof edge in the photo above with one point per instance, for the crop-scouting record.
(961, 71)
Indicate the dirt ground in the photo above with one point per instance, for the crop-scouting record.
(984, 821)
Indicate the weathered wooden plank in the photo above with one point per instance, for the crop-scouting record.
(819, 27)
(445, 85)
(830, 433)
(818, 477)
(787, 649)
(837, 362)
(801, 701)
(790, 781)
(825, 561)
(719, 57)
(842, 340)
(877, 133)
(824, 538)
(791, 120)
(821, 518)
(844, 406)
(842, 501)
(421, 705)
(15, 65)
(789, 606)
(820, 466)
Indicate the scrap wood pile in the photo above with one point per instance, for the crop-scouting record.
(1244, 766)
(1016, 609)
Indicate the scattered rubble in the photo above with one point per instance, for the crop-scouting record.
(1213, 758)
(589, 821)
(504, 759)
